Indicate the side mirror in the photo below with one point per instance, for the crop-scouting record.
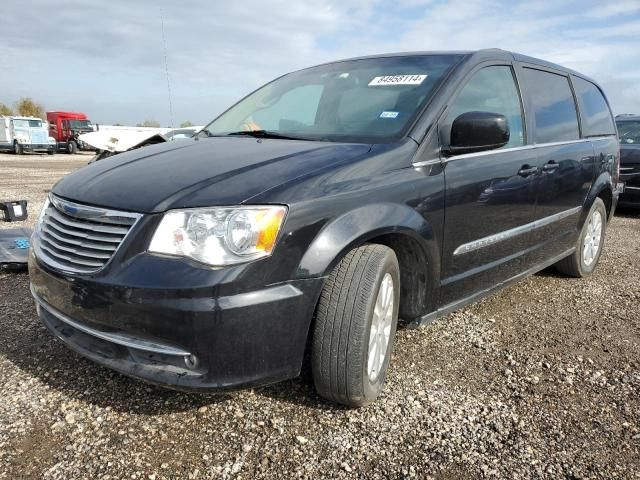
(478, 131)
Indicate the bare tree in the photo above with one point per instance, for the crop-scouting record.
(5, 110)
(149, 123)
(28, 107)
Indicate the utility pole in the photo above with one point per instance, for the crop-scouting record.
(166, 68)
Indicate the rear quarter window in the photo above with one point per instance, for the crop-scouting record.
(553, 105)
(596, 115)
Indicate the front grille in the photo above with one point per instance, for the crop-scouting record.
(79, 238)
(627, 169)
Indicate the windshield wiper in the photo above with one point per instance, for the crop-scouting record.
(205, 131)
(265, 134)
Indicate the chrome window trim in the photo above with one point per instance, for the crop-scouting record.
(513, 232)
(123, 339)
(532, 146)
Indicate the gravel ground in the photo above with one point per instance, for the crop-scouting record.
(541, 380)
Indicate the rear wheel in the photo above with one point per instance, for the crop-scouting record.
(72, 147)
(589, 246)
(355, 326)
(17, 148)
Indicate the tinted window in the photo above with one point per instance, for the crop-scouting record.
(492, 89)
(27, 123)
(597, 117)
(554, 109)
(298, 108)
(629, 131)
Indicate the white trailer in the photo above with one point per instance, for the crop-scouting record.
(25, 134)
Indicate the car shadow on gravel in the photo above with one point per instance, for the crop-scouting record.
(31, 348)
(627, 212)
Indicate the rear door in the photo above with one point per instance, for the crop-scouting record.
(565, 160)
(490, 196)
(598, 125)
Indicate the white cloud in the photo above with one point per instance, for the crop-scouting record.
(612, 9)
(107, 58)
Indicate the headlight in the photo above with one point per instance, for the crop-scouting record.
(219, 236)
(46, 204)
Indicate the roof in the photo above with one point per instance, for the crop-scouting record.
(487, 53)
(20, 117)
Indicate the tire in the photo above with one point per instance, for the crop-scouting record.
(343, 371)
(72, 147)
(17, 149)
(50, 152)
(583, 261)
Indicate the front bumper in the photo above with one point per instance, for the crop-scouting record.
(181, 337)
(37, 147)
(631, 195)
(631, 178)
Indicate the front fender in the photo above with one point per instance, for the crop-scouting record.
(363, 224)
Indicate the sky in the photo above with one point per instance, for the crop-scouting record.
(107, 59)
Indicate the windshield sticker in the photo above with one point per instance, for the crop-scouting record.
(397, 80)
(387, 114)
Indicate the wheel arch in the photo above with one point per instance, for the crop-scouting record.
(602, 188)
(397, 226)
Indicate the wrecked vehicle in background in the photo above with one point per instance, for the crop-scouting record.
(112, 142)
(66, 128)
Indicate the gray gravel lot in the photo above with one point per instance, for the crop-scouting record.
(541, 380)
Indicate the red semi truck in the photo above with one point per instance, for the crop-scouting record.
(66, 127)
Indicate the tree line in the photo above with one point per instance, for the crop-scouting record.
(25, 107)
(28, 107)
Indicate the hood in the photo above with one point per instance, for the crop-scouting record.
(629, 154)
(199, 172)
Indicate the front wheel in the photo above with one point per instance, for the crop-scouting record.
(583, 260)
(17, 148)
(355, 326)
(72, 147)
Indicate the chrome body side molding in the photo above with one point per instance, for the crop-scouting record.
(513, 232)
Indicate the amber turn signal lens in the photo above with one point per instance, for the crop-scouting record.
(268, 227)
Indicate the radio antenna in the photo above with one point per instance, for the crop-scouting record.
(166, 68)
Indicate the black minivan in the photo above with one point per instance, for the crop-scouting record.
(318, 210)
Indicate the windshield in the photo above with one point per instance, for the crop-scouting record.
(368, 100)
(79, 124)
(629, 132)
(23, 122)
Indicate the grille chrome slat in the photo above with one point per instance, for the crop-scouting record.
(79, 238)
(109, 247)
(86, 225)
(78, 251)
(84, 235)
(70, 260)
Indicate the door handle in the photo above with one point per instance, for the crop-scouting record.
(550, 166)
(527, 170)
